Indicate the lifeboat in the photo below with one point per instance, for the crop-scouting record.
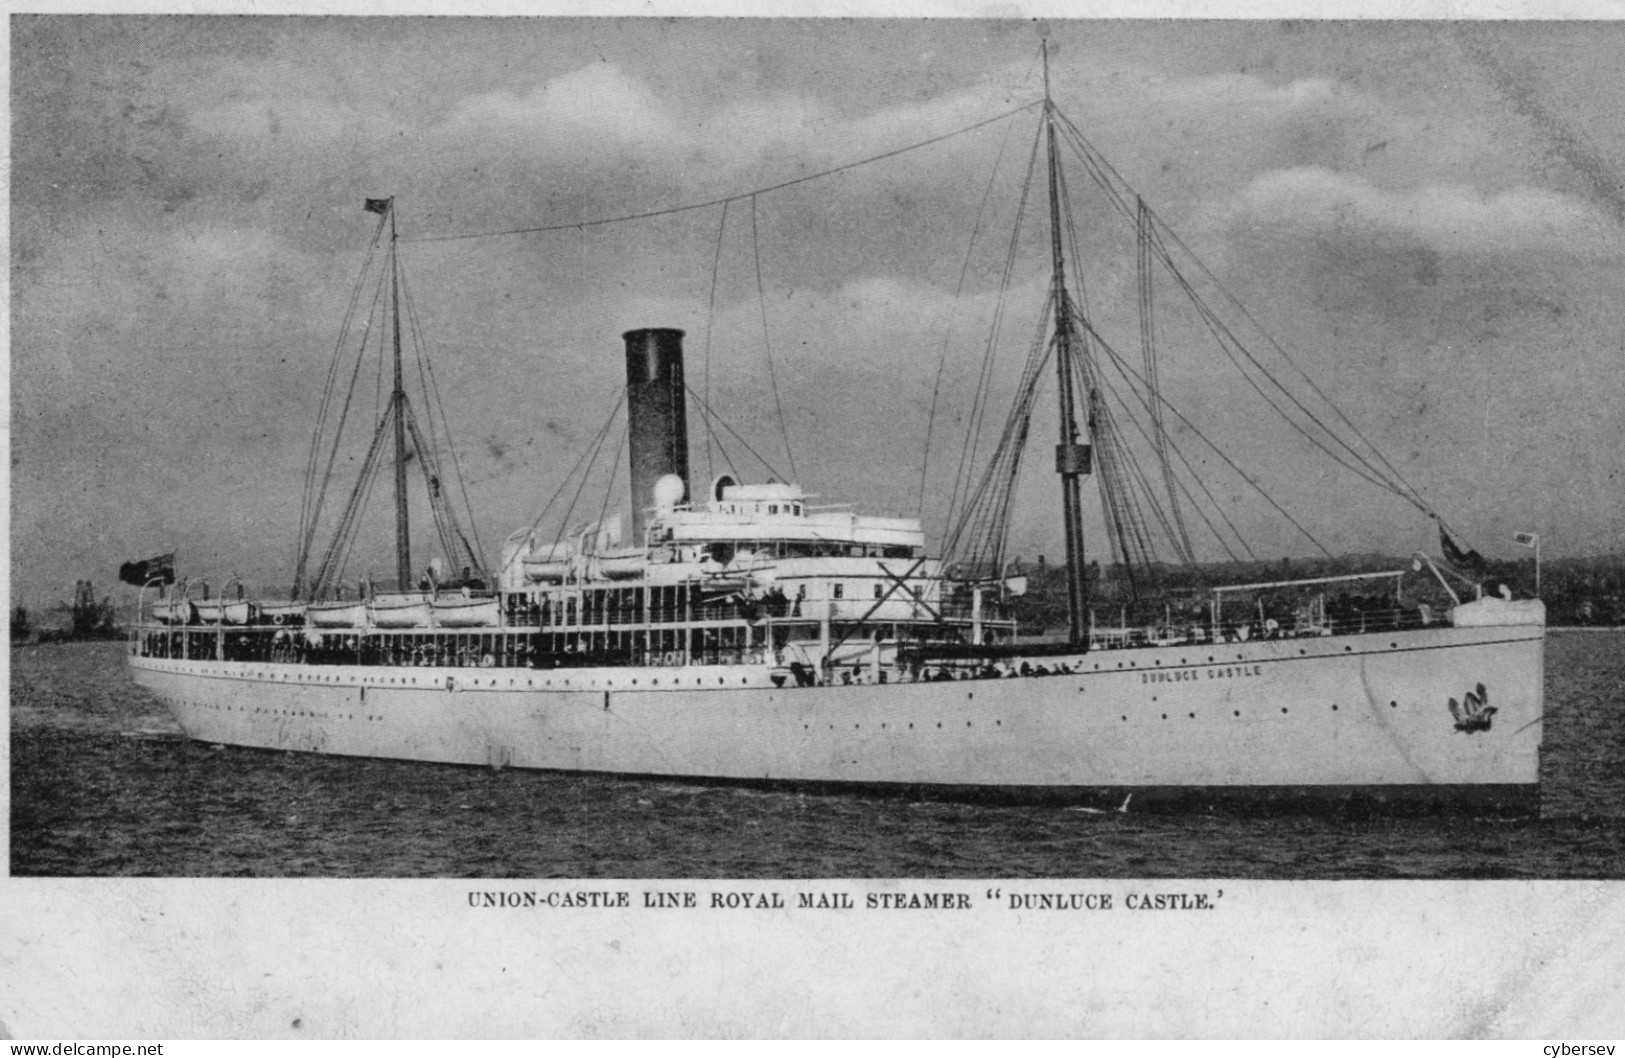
(410, 610)
(549, 565)
(223, 611)
(172, 611)
(336, 614)
(459, 611)
(625, 564)
(282, 613)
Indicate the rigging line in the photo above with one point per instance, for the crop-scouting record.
(356, 502)
(432, 392)
(1126, 529)
(355, 508)
(1415, 495)
(314, 492)
(333, 368)
(947, 331)
(710, 321)
(614, 472)
(1229, 344)
(1148, 341)
(320, 499)
(582, 458)
(761, 300)
(1143, 497)
(597, 447)
(964, 474)
(983, 504)
(710, 434)
(1108, 178)
(1103, 172)
(1226, 340)
(1137, 476)
(1180, 485)
(1115, 509)
(355, 527)
(984, 520)
(1136, 494)
(446, 525)
(1173, 480)
(1195, 476)
(741, 196)
(986, 510)
(1218, 451)
(713, 415)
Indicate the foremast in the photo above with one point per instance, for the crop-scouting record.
(1071, 455)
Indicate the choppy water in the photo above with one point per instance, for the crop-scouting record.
(102, 784)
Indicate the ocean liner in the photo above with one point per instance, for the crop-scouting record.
(733, 631)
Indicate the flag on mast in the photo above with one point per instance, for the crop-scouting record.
(159, 568)
(1526, 539)
(378, 205)
(1464, 559)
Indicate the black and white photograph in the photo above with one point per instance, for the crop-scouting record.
(778, 474)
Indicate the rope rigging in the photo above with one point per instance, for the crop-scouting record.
(389, 294)
(1144, 509)
(739, 197)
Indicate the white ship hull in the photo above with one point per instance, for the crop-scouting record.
(1363, 715)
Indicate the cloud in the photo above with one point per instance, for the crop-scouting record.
(1450, 218)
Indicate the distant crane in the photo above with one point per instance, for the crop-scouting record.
(91, 619)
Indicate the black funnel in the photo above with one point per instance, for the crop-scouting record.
(656, 410)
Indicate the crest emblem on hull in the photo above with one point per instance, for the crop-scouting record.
(1473, 713)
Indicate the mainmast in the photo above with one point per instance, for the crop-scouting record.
(403, 534)
(1071, 456)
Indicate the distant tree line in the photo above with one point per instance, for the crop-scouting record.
(1577, 591)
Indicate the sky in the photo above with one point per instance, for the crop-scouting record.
(1429, 217)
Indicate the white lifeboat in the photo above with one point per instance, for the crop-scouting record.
(282, 613)
(338, 613)
(172, 611)
(222, 611)
(549, 565)
(625, 563)
(462, 611)
(406, 610)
